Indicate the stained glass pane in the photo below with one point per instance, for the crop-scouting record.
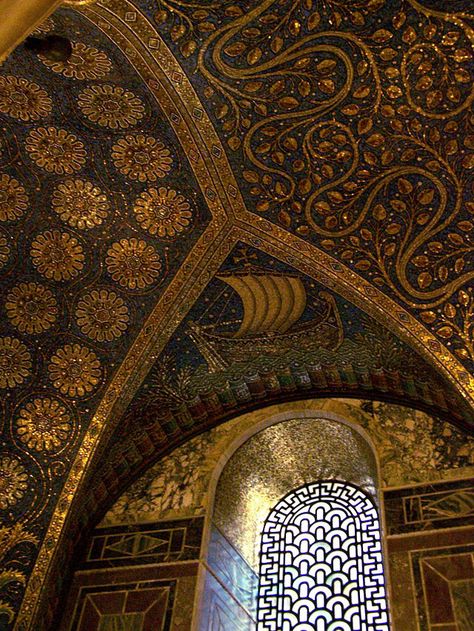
(321, 566)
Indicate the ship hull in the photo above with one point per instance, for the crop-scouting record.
(222, 350)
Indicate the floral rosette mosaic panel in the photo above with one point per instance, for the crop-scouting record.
(98, 208)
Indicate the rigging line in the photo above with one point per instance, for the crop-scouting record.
(225, 306)
(219, 295)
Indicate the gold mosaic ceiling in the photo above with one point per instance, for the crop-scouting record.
(336, 137)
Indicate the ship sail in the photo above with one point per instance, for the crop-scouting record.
(271, 303)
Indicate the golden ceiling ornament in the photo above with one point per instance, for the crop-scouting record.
(231, 223)
(78, 3)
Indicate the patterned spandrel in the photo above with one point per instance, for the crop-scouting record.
(321, 563)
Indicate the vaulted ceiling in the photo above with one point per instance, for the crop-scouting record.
(210, 206)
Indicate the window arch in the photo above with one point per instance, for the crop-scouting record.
(321, 566)
(269, 463)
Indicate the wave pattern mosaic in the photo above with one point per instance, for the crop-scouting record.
(321, 562)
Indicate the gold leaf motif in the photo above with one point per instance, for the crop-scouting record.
(254, 55)
(449, 39)
(393, 228)
(425, 196)
(304, 87)
(424, 280)
(364, 125)
(323, 208)
(177, 32)
(304, 186)
(456, 238)
(236, 49)
(409, 35)
(188, 48)
(463, 297)
(276, 44)
(422, 219)
(404, 186)
(313, 21)
(394, 92)
(435, 246)
(443, 273)
(288, 103)
(295, 27)
(399, 19)
(379, 212)
(350, 110)
(277, 87)
(449, 310)
(328, 244)
(382, 35)
(284, 218)
(251, 176)
(388, 54)
(361, 92)
(445, 331)
(206, 27)
(327, 86)
(375, 140)
(253, 86)
(428, 316)
(421, 261)
(234, 142)
(325, 66)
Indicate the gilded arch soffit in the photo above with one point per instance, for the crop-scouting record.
(213, 245)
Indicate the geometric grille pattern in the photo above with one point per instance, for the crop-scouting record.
(321, 566)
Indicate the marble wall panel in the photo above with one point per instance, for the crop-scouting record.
(411, 446)
(428, 507)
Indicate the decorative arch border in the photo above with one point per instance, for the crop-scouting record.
(298, 410)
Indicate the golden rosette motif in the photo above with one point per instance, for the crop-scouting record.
(162, 211)
(43, 424)
(85, 62)
(31, 308)
(56, 150)
(80, 204)
(13, 481)
(57, 255)
(15, 362)
(23, 100)
(13, 198)
(141, 158)
(4, 250)
(74, 370)
(111, 106)
(133, 263)
(102, 315)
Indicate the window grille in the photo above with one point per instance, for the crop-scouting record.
(321, 566)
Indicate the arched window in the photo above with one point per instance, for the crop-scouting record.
(321, 562)
(295, 541)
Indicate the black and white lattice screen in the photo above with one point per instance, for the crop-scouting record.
(321, 566)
